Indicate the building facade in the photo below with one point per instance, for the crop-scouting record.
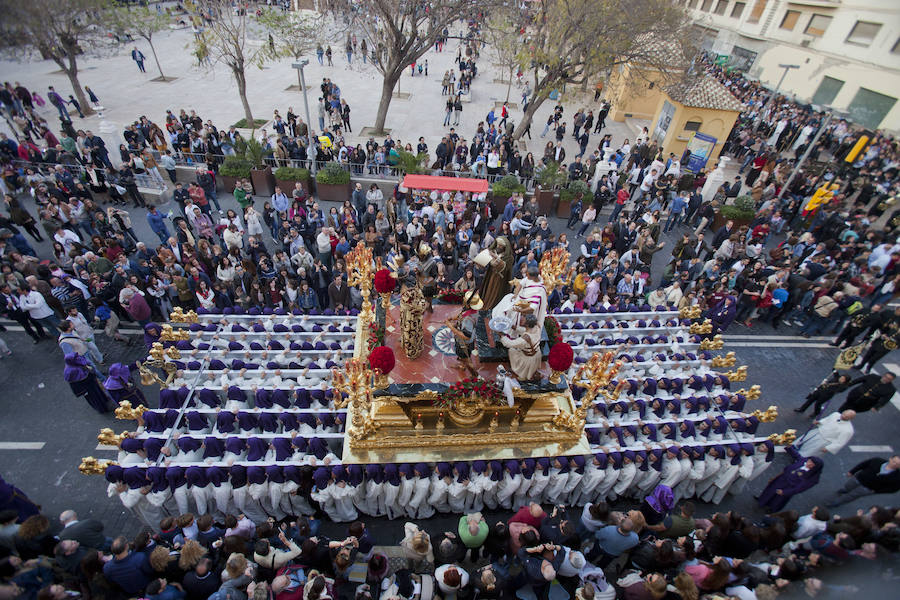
(842, 53)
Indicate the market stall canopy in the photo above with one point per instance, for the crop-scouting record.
(434, 182)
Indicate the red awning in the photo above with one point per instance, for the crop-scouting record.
(434, 182)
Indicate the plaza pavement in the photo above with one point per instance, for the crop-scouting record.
(126, 93)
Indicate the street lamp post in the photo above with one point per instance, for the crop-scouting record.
(812, 144)
(311, 148)
(787, 69)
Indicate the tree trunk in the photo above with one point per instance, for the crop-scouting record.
(509, 83)
(72, 73)
(537, 100)
(387, 91)
(156, 58)
(241, 79)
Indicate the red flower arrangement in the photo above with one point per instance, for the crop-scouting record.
(382, 358)
(384, 283)
(554, 331)
(377, 332)
(459, 390)
(560, 357)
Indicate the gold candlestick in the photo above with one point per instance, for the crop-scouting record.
(359, 273)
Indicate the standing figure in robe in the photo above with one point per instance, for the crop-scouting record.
(463, 328)
(498, 272)
(525, 349)
(802, 474)
(529, 298)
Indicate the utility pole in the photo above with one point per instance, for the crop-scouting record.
(812, 144)
(311, 149)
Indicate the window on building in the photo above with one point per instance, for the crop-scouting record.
(692, 126)
(790, 20)
(863, 33)
(757, 11)
(827, 91)
(817, 25)
(738, 9)
(721, 7)
(692, 3)
(869, 108)
(706, 5)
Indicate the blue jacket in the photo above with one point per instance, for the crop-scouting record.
(157, 222)
(130, 573)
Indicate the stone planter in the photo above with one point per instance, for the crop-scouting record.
(263, 181)
(564, 207)
(228, 182)
(719, 221)
(287, 185)
(545, 199)
(333, 193)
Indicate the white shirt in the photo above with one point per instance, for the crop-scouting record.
(66, 238)
(35, 304)
(808, 526)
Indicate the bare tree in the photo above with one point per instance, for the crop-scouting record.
(225, 40)
(400, 32)
(290, 35)
(504, 36)
(143, 23)
(59, 31)
(574, 41)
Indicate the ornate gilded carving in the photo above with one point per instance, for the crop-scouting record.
(157, 360)
(179, 316)
(508, 439)
(128, 413)
(690, 312)
(359, 273)
(784, 439)
(714, 343)
(703, 328)
(91, 466)
(728, 360)
(766, 416)
(554, 267)
(739, 375)
(110, 438)
(412, 309)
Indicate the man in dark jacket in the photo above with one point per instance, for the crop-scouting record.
(87, 532)
(865, 319)
(873, 476)
(871, 392)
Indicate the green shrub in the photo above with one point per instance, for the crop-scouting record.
(292, 174)
(235, 166)
(573, 189)
(550, 177)
(333, 174)
(743, 209)
(411, 164)
(506, 186)
(254, 153)
(686, 182)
